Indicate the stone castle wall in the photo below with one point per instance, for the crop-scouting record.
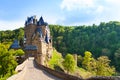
(29, 30)
(33, 32)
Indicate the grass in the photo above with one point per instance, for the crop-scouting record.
(82, 72)
(56, 60)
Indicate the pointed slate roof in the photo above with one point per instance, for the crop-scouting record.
(30, 20)
(15, 45)
(41, 22)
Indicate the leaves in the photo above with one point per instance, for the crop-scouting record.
(56, 59)
(100, 67)
(86, 60)
(7, 61)
(69, 63)
(103, 68)
(19, 52)
(101, 40)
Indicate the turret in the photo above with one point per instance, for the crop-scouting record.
(30, 27)
(15, 45)
(41, 22)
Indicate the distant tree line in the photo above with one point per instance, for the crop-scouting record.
(10, 35)
(101, 40)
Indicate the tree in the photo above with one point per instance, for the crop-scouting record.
(79, 60)
(7, 62)
(104, 39)
(69, 63)
(87, 60)
(19, 52)
(56, 59)
(103, 68)
(117, 57)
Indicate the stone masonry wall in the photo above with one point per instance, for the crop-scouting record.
(29, 30)
(65, 76)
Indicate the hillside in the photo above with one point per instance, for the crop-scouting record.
(100, 40)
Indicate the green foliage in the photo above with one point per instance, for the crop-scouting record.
(12, 51)
(103, 68)
(83, 73)
(117, 57)
(7, 62)
(100, 67)
(8, 35)
(79, 60)
(87, 60)
(69, 63)
(56, 60)
(101, 40)
(19, 52)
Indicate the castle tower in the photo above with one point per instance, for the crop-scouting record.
(42, 25)
(30, 26)
(37, 39)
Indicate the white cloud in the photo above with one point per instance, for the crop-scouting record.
(10, 25)
(115, 2)
(76, 4)
(91, 11)
(89, 6)
(100, 9)
(51, 19)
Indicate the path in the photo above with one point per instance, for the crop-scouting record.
(32, 72)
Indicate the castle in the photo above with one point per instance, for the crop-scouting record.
(37, 40)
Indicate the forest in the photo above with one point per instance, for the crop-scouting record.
(100, 40)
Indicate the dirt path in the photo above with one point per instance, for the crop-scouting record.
(32, 72)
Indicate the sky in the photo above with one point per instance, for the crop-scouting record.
(13, 13)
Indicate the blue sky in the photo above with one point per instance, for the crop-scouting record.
(13, 13)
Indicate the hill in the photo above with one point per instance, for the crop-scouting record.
(101, 40)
